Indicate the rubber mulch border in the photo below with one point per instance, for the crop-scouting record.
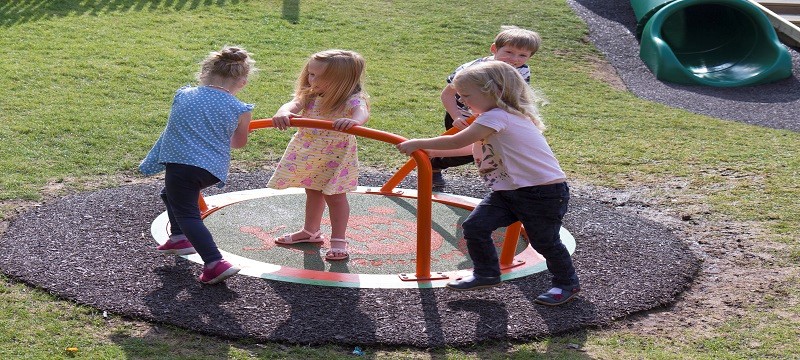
(95, 249)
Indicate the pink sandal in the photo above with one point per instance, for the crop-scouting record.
(286, 239)
(337, 252)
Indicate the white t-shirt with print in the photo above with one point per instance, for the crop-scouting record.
(516, 155)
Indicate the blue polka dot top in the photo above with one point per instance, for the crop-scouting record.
(198, 132)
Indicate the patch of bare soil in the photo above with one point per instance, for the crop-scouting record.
(603, 71)
(739, 264)
(738, 260)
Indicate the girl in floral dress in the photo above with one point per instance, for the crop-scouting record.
(324, 162)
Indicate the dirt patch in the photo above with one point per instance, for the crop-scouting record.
(739, 264)
(603, 71)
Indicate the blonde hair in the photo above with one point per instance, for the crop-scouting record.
(519, 38)
(505, 85)
(343, 75)
(230, 62)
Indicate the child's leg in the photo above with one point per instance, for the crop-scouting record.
(183, 184)
(339, 209)
(441, 163)
(492, 213)
(175, 231)
(315, 206)
(541, 210)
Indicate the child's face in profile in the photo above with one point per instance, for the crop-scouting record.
(315, 71)
(513, 56)
(476, 100)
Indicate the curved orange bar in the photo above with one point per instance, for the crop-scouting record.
(512, 232)
(424, 183)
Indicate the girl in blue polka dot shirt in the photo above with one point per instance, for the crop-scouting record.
(205, 122)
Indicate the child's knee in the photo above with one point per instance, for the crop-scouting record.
(474, 228)
(336, 200)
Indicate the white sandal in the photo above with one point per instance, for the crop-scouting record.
(337, 252)
(286, 239)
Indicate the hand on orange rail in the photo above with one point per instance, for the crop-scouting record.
(283, 121)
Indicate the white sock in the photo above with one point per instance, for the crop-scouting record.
(555, 291)
(174, 238)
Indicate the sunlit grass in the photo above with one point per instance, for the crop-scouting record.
(87, 85)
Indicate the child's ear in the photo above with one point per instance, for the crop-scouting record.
(493, 48)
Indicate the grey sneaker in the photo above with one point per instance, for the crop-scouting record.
(557, 296)
(474, 282)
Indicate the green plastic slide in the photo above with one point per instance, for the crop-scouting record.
(722, 43)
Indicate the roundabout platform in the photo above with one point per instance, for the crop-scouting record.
(97, 249)
(382, 232)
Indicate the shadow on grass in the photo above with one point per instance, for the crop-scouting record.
(291, 11)
(20, 12)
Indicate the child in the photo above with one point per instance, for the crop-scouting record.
(205, 122)
(515, 161)
(513, 46)
(324, 162)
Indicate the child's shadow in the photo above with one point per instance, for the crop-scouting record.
(323, 314)
(492, 322)
(185, 302)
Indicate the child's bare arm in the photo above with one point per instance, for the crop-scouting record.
(239, 138)
(359, 117)
(284, 114)
(451, 106)
(464, 151)
(470, 135)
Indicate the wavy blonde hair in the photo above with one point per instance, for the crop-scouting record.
(505, 85)
(343, 75)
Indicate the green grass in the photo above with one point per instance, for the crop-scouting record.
(86, 89)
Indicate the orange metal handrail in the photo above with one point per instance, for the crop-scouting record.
(512, 232)
(424, 183)
(420, 160)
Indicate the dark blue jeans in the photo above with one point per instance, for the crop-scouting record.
(541, 210)
(182, 185)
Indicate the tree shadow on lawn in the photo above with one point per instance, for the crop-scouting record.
(20, 12)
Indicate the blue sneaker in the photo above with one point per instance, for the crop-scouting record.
(557, 296)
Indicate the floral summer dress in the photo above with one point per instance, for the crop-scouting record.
(317, 159)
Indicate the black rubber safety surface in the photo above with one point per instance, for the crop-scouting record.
(95, 248)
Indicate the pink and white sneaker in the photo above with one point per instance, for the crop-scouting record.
(180, 247)
(221, 271)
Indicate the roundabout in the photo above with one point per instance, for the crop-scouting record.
(97, 249)
(383, 239)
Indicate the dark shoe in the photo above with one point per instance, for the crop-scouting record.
(438, 179)
(557, 296)
(474, 282)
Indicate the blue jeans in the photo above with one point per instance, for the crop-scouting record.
(541, 210)
(182, 185)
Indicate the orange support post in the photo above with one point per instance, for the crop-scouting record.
(510, 246)
(424, 185)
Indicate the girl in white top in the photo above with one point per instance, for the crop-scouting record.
(516, 162)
